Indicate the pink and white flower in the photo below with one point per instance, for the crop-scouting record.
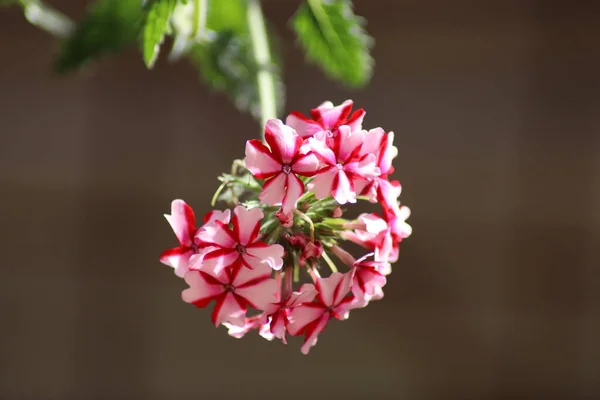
(280, 165)
(369, 279)
(333, 300)
(396, 217)
(278, 313)
(326, 118)
(234, 290)
(342, 165)
(183, 222)
(373, 232)
(238, 247)
(380, 189)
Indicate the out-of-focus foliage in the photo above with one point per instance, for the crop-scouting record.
(214, 35)
(334, 38)
(226, 60)
(155, 27)
(107, 27)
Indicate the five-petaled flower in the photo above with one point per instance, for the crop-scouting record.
(183, 222)
(238, 247)
(277, 314)
(280, 166)
(233, 291)
(342, 165)
(369, 279)
(326, 118)
(333, 300)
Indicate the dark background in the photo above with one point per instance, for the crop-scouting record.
(495, 105)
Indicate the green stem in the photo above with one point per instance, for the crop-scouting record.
(199, 19)
(329, 262)
(262, 58)
(47, 18)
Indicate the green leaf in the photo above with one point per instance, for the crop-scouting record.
(226, 61)
(106, 28)
(334, 38)
(156, 26)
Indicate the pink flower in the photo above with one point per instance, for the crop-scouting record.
(374, 233)
(281, 165)
(278, 313)
(251, 323)
(183, 222)
(238, 247)
(234, 290)
(369, 278)
(396, 217)
(326, 117)
(332, 300)
(379, 188)
(342, 166)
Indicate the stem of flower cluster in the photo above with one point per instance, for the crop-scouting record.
(199, 19)
(262, 58)
(329, 262)
(309, 221)
(286, 287)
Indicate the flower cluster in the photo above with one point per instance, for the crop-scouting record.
(286, 225)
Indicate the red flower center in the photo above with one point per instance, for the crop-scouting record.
(240, 248)
(286, 168)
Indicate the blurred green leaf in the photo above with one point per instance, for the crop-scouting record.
(226, 61)
(156, 26)
(334, 38)
(107, 27)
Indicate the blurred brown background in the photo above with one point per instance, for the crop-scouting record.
(496, 108)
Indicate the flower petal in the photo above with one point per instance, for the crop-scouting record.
(183, 221)
(312, 333)
(217, 234)
(305, 294)
(283, 140)
(300, 317)
(330, 116)
(277, 325)
(322, 183)
(334, 288)
(202, 289)
(178, 258)
(260, 161)
(228, 309)
(347, 144)
(365, 167)
(273, 190)
(355, 121)
(246, 224)
(303, 126)
(387, 153)
(217, 215)
(342, 188)
(258, 293)
(260, 254)
(216, 261)
(318, 145)
(306, 165)
(295, 189)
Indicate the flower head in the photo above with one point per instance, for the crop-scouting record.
(264, 264)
